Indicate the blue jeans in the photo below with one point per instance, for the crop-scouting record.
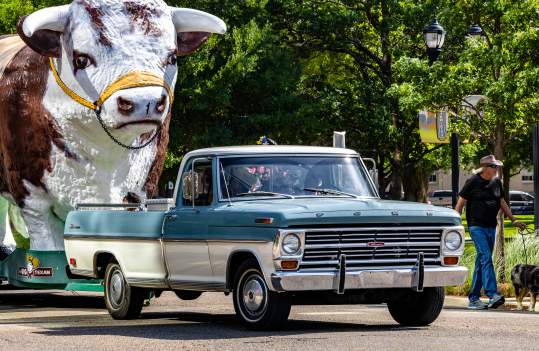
(483, 275)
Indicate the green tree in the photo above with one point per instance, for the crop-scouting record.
(241, 86)
(502, 66)
(373, 35)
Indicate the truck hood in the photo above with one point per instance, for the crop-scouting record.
(323, 211)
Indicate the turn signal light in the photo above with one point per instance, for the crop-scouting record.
(290, 264)
(451, 260)
(264, 220)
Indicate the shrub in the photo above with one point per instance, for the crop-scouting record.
(515, 254)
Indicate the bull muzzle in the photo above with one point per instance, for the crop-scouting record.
(128, 81)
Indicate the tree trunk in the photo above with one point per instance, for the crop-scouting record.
(499, 248)
(395, 191)
(415, 183)
(381, 175)
(397, 157)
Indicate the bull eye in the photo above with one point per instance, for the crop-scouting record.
(172, 59)
(82, 62)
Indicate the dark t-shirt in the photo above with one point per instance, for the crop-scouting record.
(482, 200)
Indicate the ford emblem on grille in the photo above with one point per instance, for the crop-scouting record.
(375, 244)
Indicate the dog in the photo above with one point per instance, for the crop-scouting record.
(525, 279)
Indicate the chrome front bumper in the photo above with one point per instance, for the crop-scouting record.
(367, 279)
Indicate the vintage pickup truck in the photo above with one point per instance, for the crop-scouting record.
(274, 226)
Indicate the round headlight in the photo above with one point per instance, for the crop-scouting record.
(453, 240)
(291, 244)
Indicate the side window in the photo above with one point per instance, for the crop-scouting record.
(515, 197)
(203, 185)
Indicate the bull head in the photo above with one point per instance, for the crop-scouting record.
(98, 43)
(42, 29)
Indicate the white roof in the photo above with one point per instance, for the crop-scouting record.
(271, 149)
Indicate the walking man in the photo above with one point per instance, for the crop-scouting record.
(483, 196)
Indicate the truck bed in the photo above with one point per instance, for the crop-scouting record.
(130, 237)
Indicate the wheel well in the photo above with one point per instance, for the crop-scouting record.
(234, 262)
(101, 261)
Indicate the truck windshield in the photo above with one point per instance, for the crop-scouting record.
(287, 176)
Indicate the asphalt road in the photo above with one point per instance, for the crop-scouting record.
(70, 321)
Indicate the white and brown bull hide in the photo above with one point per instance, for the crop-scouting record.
(54, 153)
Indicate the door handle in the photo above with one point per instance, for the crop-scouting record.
(172, 217)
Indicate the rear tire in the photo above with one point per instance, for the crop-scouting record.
(256, 306)
(418, 308)
(122, 300)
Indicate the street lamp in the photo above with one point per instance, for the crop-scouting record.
(434, 39)
(475, 31)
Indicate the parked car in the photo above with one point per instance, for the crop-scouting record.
(441, 198)
(521, 202)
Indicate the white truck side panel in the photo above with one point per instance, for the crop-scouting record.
(139, 259)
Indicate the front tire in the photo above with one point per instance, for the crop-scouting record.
(256, 306)
(122, 300)
(418, 308)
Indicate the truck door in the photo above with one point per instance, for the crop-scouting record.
(186, 228)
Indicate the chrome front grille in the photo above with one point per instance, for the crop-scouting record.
(371, 247)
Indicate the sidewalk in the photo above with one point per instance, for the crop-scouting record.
(461, 302)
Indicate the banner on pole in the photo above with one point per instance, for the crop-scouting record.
(433, 127)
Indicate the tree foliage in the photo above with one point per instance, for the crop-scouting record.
(298, 70)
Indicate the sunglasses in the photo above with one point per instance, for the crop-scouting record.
(493, 166)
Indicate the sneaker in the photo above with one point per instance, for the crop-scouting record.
(496, 301)
(477, 305)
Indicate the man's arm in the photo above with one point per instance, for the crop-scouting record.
(507, 211)
(460, 204)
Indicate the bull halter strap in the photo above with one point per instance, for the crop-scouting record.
(130, 80)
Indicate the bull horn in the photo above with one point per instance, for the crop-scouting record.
(189, 20)
(51, 18)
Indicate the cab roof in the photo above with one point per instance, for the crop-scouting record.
(271, 149)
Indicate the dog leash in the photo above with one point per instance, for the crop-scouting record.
(523, 233)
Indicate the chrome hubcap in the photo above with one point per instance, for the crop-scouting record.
(116, 288)
(254, 296)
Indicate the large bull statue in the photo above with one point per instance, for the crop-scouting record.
(85, 97)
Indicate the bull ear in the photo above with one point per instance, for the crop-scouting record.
(188, 42)
(194, 28)
(42, 29)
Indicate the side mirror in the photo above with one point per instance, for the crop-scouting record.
(192, 186)
(373, 171)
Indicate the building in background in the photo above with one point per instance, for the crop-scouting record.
(441, 180)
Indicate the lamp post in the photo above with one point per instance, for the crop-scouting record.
(475, 31)
(536, 176)
(434, 35)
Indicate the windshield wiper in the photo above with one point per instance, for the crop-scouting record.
(329, 191)
(264, 193)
